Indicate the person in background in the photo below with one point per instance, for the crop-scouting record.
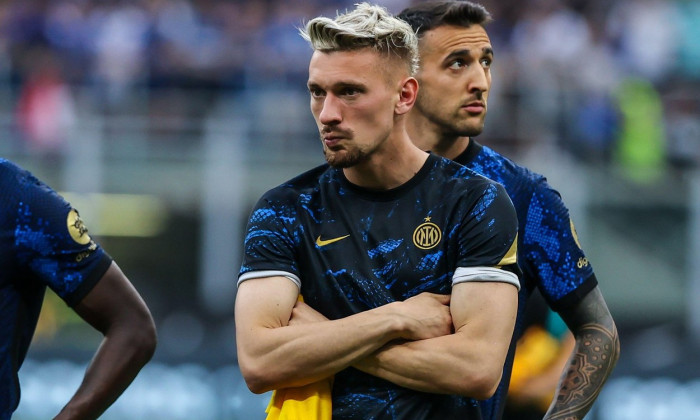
(44, 242)
(408, 258)
(455, 80)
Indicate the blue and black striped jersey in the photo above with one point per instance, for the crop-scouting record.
(549, 253)
(351, 249)
(43, 242)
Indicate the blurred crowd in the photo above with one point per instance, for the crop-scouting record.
(599, 77)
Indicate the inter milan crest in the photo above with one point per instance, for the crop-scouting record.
(427, 235)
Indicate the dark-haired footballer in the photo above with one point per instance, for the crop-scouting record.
(455, 80)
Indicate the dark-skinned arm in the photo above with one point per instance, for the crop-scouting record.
(116, 309)
(592, 360)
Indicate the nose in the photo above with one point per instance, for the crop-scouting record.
(330, 111)
(478, 80)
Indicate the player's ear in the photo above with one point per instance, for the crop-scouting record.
(407, 95)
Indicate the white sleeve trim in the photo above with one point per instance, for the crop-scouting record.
(464, 274)
(269, 273)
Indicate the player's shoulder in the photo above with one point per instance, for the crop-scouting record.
(10, 172)
(301, 185)
(17, 181)
(508, 169)
(470, 187)
(465, 176)
(457, 171)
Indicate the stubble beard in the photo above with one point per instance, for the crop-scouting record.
(344, 158)
(452, 127)
(458, 126)
(453, 124)
(470, 130)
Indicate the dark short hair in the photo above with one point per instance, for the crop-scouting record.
(432, 14)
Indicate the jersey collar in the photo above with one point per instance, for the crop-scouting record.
(467, 156)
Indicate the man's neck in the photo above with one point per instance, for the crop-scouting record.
(451, 147)
(428, 137)
(394, 164)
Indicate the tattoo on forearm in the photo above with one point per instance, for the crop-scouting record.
(589, 367)
(593, 359)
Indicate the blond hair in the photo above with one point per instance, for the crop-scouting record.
(368, 26)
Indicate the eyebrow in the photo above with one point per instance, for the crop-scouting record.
(337, 86)
(466, 52)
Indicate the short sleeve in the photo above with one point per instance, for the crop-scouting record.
(269, 247)
(54, 243)
(488, 239)
(551, 252)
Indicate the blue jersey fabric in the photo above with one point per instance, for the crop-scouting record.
(549, 253)
(352, 249)
(43, 243)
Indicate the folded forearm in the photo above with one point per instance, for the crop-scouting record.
(299, 354)
(433, 366)
(284, 344)
(467, 362)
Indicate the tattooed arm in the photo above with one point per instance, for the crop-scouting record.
(592, 360)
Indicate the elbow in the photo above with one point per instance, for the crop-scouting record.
(480, 385)
(615, 345)
(138, 337)
(488, 391)
(485, 386)
(144, 340)
(256, 377)
(256, 384)
(149, 342)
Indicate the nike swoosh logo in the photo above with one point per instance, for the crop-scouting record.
(320, 242)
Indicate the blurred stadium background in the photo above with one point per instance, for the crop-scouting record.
(163, 121)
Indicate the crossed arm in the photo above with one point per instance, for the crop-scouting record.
(468, 362)
(116, 309)
(274, 354)
(594, 356)
(421, 343)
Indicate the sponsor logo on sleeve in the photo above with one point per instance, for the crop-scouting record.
(77, 228)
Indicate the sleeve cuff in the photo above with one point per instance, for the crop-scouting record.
(269, 273)
(465, 274)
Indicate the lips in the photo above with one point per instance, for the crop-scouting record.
(332, 138)
(475, 107)
(331, 141)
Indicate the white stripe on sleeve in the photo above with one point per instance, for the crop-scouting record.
(464, 274)
(269, 273)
